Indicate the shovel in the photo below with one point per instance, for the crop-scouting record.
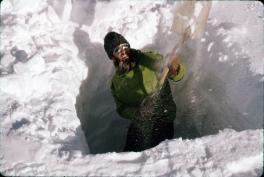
(190, 18)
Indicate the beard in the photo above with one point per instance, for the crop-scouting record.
(127, 65)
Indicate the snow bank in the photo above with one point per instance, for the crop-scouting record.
(38, 95)
(226, 154)
(57, 84)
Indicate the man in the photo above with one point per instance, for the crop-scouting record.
(134, 88)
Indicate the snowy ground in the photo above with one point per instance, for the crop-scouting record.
(60, 78)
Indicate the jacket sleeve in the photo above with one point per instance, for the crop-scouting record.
(158, 59)
(180, 73)
(125, 111)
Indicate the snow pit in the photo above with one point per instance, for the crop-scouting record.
(215, 94)
(57, 113)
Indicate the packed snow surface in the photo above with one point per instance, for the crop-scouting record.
(57, 115)
(227, 154)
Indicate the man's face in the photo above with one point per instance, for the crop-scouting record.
(121, 53)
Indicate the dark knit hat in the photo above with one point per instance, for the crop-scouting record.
(111, 41)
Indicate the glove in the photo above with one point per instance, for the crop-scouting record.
(174, 67)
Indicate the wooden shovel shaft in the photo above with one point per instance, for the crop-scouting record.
(186, 10)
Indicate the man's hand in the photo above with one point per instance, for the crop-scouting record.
(174, 67)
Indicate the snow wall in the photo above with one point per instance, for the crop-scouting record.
(223, 86)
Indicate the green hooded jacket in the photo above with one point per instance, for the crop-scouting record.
(133, 90)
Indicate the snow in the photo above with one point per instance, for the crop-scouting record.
(66, 78)
(200, 157)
